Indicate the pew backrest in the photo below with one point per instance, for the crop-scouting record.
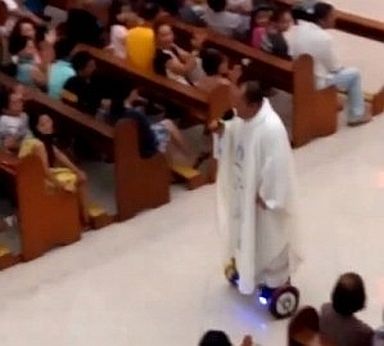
(202, 105)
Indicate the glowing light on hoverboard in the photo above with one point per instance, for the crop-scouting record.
(263, 300)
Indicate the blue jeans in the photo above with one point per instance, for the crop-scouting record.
(349, 80)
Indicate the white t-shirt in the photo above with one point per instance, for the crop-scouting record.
(118, 35)
(309, 38)
(16, 126)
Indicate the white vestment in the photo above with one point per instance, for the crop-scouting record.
(255, 159)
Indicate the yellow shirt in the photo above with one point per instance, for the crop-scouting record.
(140, 46)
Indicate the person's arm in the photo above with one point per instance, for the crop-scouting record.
(39, 76)
(21, 12)
(180, 68)
(66, 162)
(39, 150)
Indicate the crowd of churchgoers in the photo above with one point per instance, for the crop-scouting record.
(41, 57)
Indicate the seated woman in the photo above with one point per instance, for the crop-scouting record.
(259, 20)
(273, 40)
(174, 62)
(337, 319)
(27, 28)
(31, 71)
(59, 169)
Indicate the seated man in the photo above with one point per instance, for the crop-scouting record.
(337, 320)
(313, 39)
(220, 19)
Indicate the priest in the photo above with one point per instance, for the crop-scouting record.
(256, 186)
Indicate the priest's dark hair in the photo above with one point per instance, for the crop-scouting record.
(254, 92)
(215, 338)
(348, 296)
(321, 11)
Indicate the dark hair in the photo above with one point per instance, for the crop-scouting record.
(348, 296)
(261, 8)
(321, 11)
(80, 60)
(254, 92)
(278, 13)
(19, 44)
(48, 140)
(63, 49)
(16, 33)
(215, 338)
(171, 6)
(217, 5)
(149, 11)
(211, 59)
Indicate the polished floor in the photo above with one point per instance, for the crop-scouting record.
(157, 279)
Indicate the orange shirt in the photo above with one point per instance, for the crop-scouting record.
(140, 46)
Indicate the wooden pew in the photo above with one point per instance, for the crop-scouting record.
(202, 107)
(135, 187)
(314, 111)
(352, 23)
(48, 217)
(198, 106)
(303, 329)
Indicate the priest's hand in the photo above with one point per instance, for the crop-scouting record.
(260, 202)
(216, 126)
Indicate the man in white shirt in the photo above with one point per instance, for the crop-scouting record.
(313, 39)
(220, 19)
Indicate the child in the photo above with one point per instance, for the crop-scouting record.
(13, 122)
(260, 20)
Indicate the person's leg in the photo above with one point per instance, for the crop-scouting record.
(349, 80)
(177, 137)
